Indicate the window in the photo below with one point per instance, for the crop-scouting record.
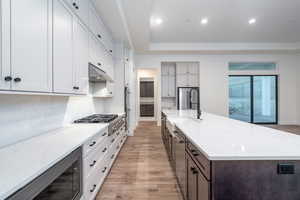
(243, 66)
(253, 98)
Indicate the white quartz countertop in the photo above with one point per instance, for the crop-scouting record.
(221, 138)
(23, 162)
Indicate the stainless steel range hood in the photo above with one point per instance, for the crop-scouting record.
(98, 75)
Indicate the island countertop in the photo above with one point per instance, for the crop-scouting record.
(221, 138)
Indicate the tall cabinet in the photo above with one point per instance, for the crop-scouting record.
(168, 80)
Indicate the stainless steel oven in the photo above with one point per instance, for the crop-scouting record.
(63, 181)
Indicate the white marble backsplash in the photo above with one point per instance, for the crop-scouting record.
(25, 116)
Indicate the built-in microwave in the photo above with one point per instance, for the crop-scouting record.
(63, 181)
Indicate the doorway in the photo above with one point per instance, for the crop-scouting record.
(254, 98)
(147, 97)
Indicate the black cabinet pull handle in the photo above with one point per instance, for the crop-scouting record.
(93, 189)
(104, 134)
(92, 144)
(194, 170)
(99, 36)
(76, 88)
(181, 141)
(104, 169)
(110, 51)
(8, 78)
(94, 162)
(104, 149)
(74, 4)
(112, 140)
(17, 79)
(99, 64)
(112, 156)
(77, 7)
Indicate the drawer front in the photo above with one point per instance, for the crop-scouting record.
(92, 160)
(202, 162)
(92, 144)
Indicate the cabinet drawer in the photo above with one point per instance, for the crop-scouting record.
(202, 162)
(92, 144)
(92, 160)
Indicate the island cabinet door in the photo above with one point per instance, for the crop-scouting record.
(198, 188)
(192, 179)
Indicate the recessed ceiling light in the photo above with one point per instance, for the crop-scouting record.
(156, 21)
(204, 21)
(252, 21)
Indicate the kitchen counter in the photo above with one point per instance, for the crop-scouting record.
(23, 162)
(221, 138)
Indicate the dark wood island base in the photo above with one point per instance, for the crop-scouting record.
(231, 179)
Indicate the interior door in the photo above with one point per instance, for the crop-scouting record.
(81, 41)
(63, 64)
(31, 29)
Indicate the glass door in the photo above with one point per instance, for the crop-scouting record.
(240, 98)
(253, 98)
(264, 99)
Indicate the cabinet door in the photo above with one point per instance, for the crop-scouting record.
(83, 10)
(94, 23)
(182, 80)
(203, 187)
(172, 88)
(63, 72)
(5, 70)
(81, 41)
(165, 86)
(165, 70)
(171, 70)
(193, 80)
(30, 45)
(192, 179)
(182, 68)
(193, 68)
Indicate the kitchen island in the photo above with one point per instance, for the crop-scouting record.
(226, 159)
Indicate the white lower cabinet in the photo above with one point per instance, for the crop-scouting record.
(99, 154)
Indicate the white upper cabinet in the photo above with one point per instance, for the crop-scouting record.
(80, 8)
(63, 70)
(81, 52)
(70, 47)
(5, 70)
(99, 30)
(31, 68)
(187, 74)
(168, 80)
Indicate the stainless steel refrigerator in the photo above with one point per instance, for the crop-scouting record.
(187, 98)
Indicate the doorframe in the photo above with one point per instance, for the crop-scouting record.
(252, 97)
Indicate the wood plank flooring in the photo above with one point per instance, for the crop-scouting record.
(288, 128)
(142, 170)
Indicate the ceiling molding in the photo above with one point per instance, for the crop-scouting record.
(125, 24)
(223, 47)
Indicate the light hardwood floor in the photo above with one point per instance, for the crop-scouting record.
(142, 170)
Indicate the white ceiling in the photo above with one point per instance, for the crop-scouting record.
(277, 27)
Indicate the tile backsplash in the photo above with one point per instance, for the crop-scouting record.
(25, 116)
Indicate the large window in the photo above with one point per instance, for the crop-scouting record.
(253, 98)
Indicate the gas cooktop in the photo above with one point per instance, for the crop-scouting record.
(97, 118)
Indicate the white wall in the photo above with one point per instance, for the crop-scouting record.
(25, 116)
(214, 80)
